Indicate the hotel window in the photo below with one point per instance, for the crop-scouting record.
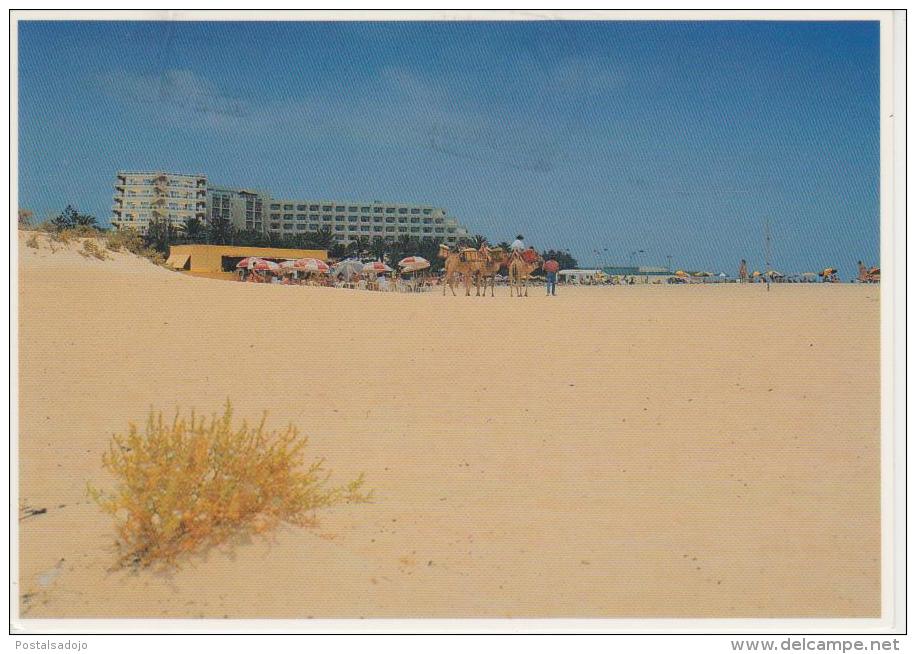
(426, 212)
(300, 216)
(338, 228)
(451, 230)
(402, 229)
(287, 216)
(275, 216)
(414, 220)
(402, 211)
(287, 225)
(275, 206)
(427, 230)
(340, 218)
(390, 229)
(300, 207)
(326, 218)
(440, 230)
(414, 211)
(353, 219)
(378, 210)
(427, 221)
(287, 207)
(389, 210)
(300, 228)
(339, 208)
(352, 209)
(313, 207)
(415, 230)
(275, 225)
(313, 216)
(390, 220)
(364, 210)
(313, 227)
(364, 219)
(439, 221)
(377, 220)
(364, 228)
(327, 207)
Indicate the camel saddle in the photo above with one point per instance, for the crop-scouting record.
(469, 255)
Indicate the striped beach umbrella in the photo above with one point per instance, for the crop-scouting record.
(308, 264)
(247, 262)
(264, 264)
(376, 267)
(413, 264)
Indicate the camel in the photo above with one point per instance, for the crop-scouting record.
(455, 266)
(493, 260)
(519, 271)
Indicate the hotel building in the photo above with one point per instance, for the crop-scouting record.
(141, 197)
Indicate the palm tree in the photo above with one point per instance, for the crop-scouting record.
(84, 220)
(478, 240)
(363, 246)
(378, 247)
(194, 230)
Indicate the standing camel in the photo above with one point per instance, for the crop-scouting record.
(519, 271)
(493, 260)
(454, 266)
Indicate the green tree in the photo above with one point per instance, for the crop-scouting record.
(160, 234)
(220, 231)
(70, 218)
(194, 230)
(378, 248)
(478, 240)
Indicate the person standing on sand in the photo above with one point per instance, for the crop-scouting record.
(551, 267)
(742, 271)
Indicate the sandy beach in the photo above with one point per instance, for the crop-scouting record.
(645, 451)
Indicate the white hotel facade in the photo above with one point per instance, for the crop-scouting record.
(141, 197)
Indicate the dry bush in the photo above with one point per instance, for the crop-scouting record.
(91, 248)
(124, 239)
(193, 483)
(32, 241)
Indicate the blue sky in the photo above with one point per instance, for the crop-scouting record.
(676, 138)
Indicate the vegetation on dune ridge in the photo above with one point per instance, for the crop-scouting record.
(161, 234)
(193, 483)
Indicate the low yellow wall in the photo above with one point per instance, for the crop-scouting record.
(209, 258)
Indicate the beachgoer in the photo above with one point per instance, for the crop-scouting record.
(551, 267)
(742, 271)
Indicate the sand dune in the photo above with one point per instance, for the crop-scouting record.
(685, 451)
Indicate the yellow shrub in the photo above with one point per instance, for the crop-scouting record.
(32, 241)
(192, 483)
(91, 248)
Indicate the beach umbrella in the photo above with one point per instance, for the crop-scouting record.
(309, 264)
(348, 268)
(756, 273)
(246, 262)
(722, 275)
(264, 264)
(681, 273)
(412, 264)
(376, 267)
(774, 273)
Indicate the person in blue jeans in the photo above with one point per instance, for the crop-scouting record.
(551, 267)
